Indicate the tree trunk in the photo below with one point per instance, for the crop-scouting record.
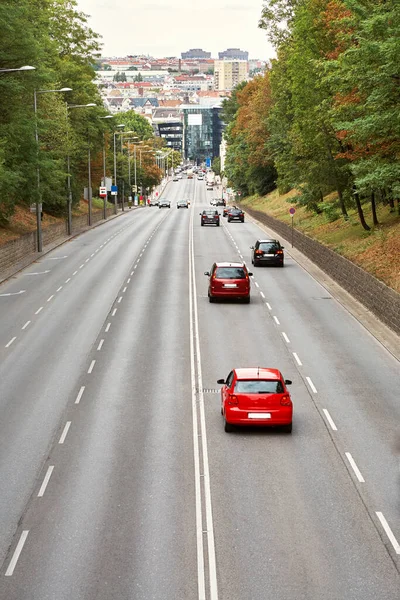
(360, 211)
(391, 203)
(342, 204)
(373, 206)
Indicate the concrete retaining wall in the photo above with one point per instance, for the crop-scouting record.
(372, 293)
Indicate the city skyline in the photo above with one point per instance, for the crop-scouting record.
(159, 29)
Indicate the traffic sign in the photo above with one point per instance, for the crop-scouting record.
(208, 163)
(134, 188)
(292, 210)
(114, 190)
(103, 192)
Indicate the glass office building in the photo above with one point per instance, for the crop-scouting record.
(202, 132)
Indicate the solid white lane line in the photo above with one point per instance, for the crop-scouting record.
(312, 386)
(11, 341)
(107, 329)
(113, 312)
(17, 553)
(212, 569)
(329, 419)
(60, 288)
(268, 306)
(74, 273)
(276, 320)
(297, 359)
(45, 481)
(51, 298)
(119, 299)
(67, 280)
(262, 294)
(79, 396)
(354, 467)
(26, 325)
(39, 310)
(90, 369)
(124, 290)
(13, 294)
(285, 337)
(389, 532)
(100, 345)
(64, 433)
(38, 273)
(256, 284)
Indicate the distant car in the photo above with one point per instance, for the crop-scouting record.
(256, 396)
(200, 177)
(182, 204)
(226, 210)
(219, 202)
(180, 176)
(267, 252)
(213, 202)
(175, 178)
(229, 280)
(210, 217)
(164, 203)
(153, 202)
(235, 214)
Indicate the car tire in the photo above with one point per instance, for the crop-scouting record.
(211, 299)
(228, 427)
(247, 300)
(217, 224)
(256, 264)
(287, 428)
(202, 224)
(229, 220)
(282, 265)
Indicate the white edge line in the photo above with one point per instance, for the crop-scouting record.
(329, 419)
(45, 481)
(389, 532)
(64, 433)
(354, 467)
(79, 396)
(91, 366)
(11, 341)
(312, 386)
(17, 553)
(297, 359)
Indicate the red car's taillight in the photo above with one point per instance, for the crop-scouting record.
(286, 401)
(232, 399)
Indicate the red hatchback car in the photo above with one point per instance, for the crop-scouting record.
(256, 396)
(229, 280)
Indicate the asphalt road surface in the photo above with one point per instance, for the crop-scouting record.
(117, 480)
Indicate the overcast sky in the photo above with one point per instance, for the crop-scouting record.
(166, 28)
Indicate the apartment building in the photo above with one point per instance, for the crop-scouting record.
(228, 73)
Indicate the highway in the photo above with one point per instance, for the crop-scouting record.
(117, 480)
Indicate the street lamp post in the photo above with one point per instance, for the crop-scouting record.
(104, 169)
(121, 126)
(38, 200)
(25, 68)
(69, 201)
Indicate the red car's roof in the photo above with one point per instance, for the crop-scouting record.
(257, 373)
(229, 264)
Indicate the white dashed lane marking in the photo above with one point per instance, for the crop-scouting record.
(39, 310)
(68, 280)
(26, 325)
(60, 288)
(51, 298)
(285, 337)
(113, 312)
(329, 419)
(45, 481)
(11, 341)
(297, 359)
(107, 329)
(100, 345)
(268, 306)
(276, 320)
(389, 532)
(354, 467)
(17, 553)
(90, 369)
(80, 394)
(64, 433)
(262, 294)
(312, 386)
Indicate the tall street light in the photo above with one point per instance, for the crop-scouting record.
(25, 68)
(39, 198)
(68, 107)
(120, 126)
(104, 168)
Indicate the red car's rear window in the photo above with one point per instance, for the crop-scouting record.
(259, 386)
(230, 273)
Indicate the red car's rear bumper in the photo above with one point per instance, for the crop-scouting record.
(239, 416)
